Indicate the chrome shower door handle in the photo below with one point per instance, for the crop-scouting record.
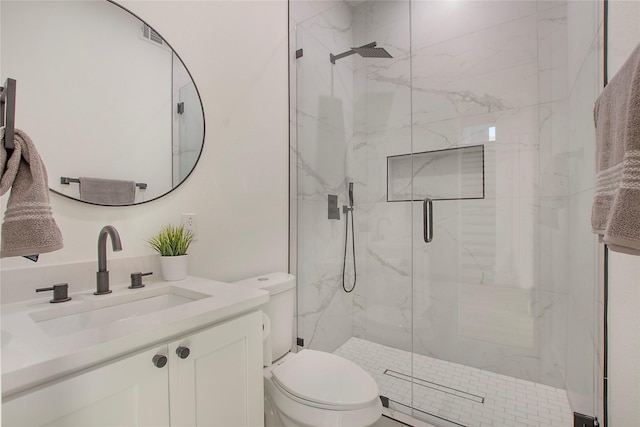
(427, 216)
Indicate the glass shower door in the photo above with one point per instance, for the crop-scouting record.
(489, 289)
(352, 113)
(463, 306)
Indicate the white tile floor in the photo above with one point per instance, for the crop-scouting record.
(457, 395)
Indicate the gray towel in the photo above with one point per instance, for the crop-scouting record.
(107, 191)
(615, 215)
(28, 227)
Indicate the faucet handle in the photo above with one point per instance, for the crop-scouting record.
(59, 292)
(136, 279)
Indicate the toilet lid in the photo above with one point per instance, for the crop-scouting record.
(326, 379)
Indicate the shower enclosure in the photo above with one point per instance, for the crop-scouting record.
(466, 130)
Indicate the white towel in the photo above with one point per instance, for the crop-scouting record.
(107, 191)
(28, 227)
(615, 215)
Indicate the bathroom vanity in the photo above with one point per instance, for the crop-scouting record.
(172, 353)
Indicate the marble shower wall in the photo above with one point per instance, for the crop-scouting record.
(492, 289)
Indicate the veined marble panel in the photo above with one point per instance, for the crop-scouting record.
(324, 99)
(552, 53)
(516, 170)
(445, 98)
(386, 23)
(511, 158)
(439, 319)
(497, 314)
(552, 323)
(514, 126)
(553, 249)
(491, 70)
(324, 310)
(553, 225)
(582, 258)
(582, 19)
(332, 27)
(548, 4)
(317, 78)
(480, 242)
(302, 10)
(438, 21)
(371, 154)
(319, 240)
(321, 158)
(581, 127)
(580, 361)
(501, 329)
(501, 47)
(383, 104)
(554, 149)
(388, 263)
(458, 132)
(324, 313)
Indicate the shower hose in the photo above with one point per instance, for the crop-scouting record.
(353, 248)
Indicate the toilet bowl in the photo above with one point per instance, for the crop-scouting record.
(308, 388)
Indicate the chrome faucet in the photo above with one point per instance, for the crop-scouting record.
(103, 275)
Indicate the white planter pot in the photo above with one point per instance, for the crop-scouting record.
(174, 267)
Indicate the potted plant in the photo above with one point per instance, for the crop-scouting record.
(172, 243)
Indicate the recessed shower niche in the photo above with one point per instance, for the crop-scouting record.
(450, 174)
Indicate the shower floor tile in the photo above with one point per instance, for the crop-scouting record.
(455, 395)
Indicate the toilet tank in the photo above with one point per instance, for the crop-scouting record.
(279, 309)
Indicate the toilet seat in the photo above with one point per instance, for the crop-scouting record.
(326, 381)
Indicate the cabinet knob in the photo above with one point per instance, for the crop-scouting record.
(183, 352)
(159, 360)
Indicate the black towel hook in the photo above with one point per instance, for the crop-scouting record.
(8, 111)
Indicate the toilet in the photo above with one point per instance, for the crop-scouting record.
(308, 388)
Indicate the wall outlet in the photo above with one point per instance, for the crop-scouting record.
(190, 222)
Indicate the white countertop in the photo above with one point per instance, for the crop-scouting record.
(30, 356)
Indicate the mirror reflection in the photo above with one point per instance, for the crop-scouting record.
(104, 98)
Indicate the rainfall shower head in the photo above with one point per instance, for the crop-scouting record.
(367, 51)
(371, 52)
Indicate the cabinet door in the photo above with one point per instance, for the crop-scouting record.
(220, 382)
(128, 392)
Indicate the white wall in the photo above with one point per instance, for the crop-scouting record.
(236, 52)
(624, 270)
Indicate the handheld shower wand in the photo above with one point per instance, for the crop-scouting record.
(346, 210)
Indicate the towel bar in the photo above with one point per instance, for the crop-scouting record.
(66, 180)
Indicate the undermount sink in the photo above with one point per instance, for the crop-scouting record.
(102, 311)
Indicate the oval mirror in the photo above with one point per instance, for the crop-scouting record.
(110, 106)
